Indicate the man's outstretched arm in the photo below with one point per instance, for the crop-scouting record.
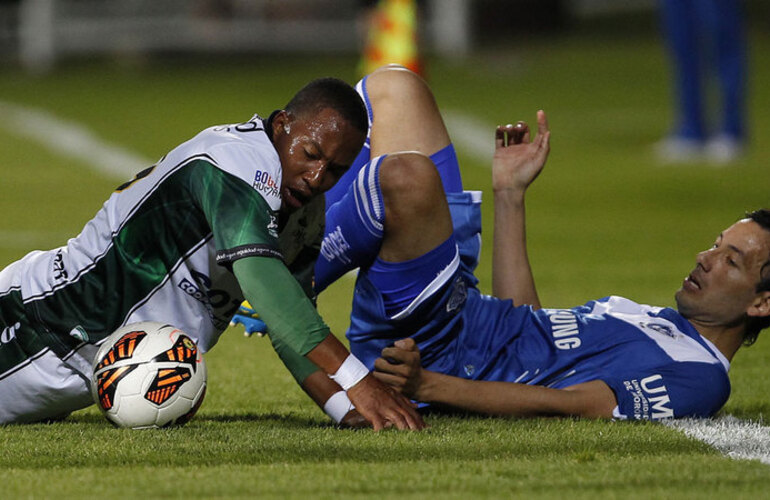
(516, 164)
(400, 367)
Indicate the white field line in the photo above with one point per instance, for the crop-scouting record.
(734, 437)
(27, 240)
(71, 139)
(471, 135)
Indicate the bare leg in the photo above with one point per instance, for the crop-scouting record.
(405, 118)
(417, 216)
(405, 114)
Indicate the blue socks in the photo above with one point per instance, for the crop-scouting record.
(354, 227)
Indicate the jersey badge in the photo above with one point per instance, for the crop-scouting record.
(459, 294)
(9, 333)
(659, 328)
(79, 333)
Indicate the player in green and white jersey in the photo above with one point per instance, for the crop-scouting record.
(225, 216)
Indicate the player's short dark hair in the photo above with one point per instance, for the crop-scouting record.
(761, 217)
(330, 93)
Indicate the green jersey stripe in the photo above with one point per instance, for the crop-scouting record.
(108, 234)
(144, 254)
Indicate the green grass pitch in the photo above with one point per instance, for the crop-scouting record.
(604, 218)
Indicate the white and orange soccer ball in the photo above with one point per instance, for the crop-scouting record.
(148, 375)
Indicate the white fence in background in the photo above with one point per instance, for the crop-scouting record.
(50, 29)
(40, 32)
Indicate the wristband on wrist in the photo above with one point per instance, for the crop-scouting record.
(337, 406)
(350, 372)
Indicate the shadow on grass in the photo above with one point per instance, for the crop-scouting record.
(281, 419)
(285, 420)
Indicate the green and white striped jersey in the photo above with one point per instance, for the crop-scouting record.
(160, 247)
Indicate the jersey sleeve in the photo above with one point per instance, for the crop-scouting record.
(241, 221)
(681, 389)
(289, 314)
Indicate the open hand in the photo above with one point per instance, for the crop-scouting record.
(518, 161)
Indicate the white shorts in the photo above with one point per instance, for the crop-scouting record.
(46, 387)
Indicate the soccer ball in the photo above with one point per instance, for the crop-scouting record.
(148, 375)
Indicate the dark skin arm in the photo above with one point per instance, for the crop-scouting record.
(284, 311)
(378, 403)
(320, 388)
(590, 399)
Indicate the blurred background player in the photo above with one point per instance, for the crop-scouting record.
(707, 44)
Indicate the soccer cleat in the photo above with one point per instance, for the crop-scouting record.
(723, 149)
(249, 318)
(677, 149)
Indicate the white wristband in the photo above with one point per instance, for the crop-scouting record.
(337, 406)
(350, 372)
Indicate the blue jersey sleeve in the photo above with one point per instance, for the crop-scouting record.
(677, 390)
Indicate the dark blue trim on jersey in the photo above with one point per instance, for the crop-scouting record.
(12, 289)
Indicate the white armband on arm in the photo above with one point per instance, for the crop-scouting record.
(350, 372)
(337, 406)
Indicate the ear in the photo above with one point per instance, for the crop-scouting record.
(281, 122)
(760, 308)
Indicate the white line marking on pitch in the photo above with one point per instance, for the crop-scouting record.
(471, 135)
(71, 139)
(733, 437)
(25, 239)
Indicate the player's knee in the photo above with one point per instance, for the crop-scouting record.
(397, 82)
(410, 183)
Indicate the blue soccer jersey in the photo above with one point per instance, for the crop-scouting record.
(654, 361)
(652, 358)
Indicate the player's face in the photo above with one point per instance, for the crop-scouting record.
(721, 290)
(314, 151)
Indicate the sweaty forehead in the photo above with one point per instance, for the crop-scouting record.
(323, 120)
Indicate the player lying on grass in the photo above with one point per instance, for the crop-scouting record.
(224, 216)
(610, 357)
